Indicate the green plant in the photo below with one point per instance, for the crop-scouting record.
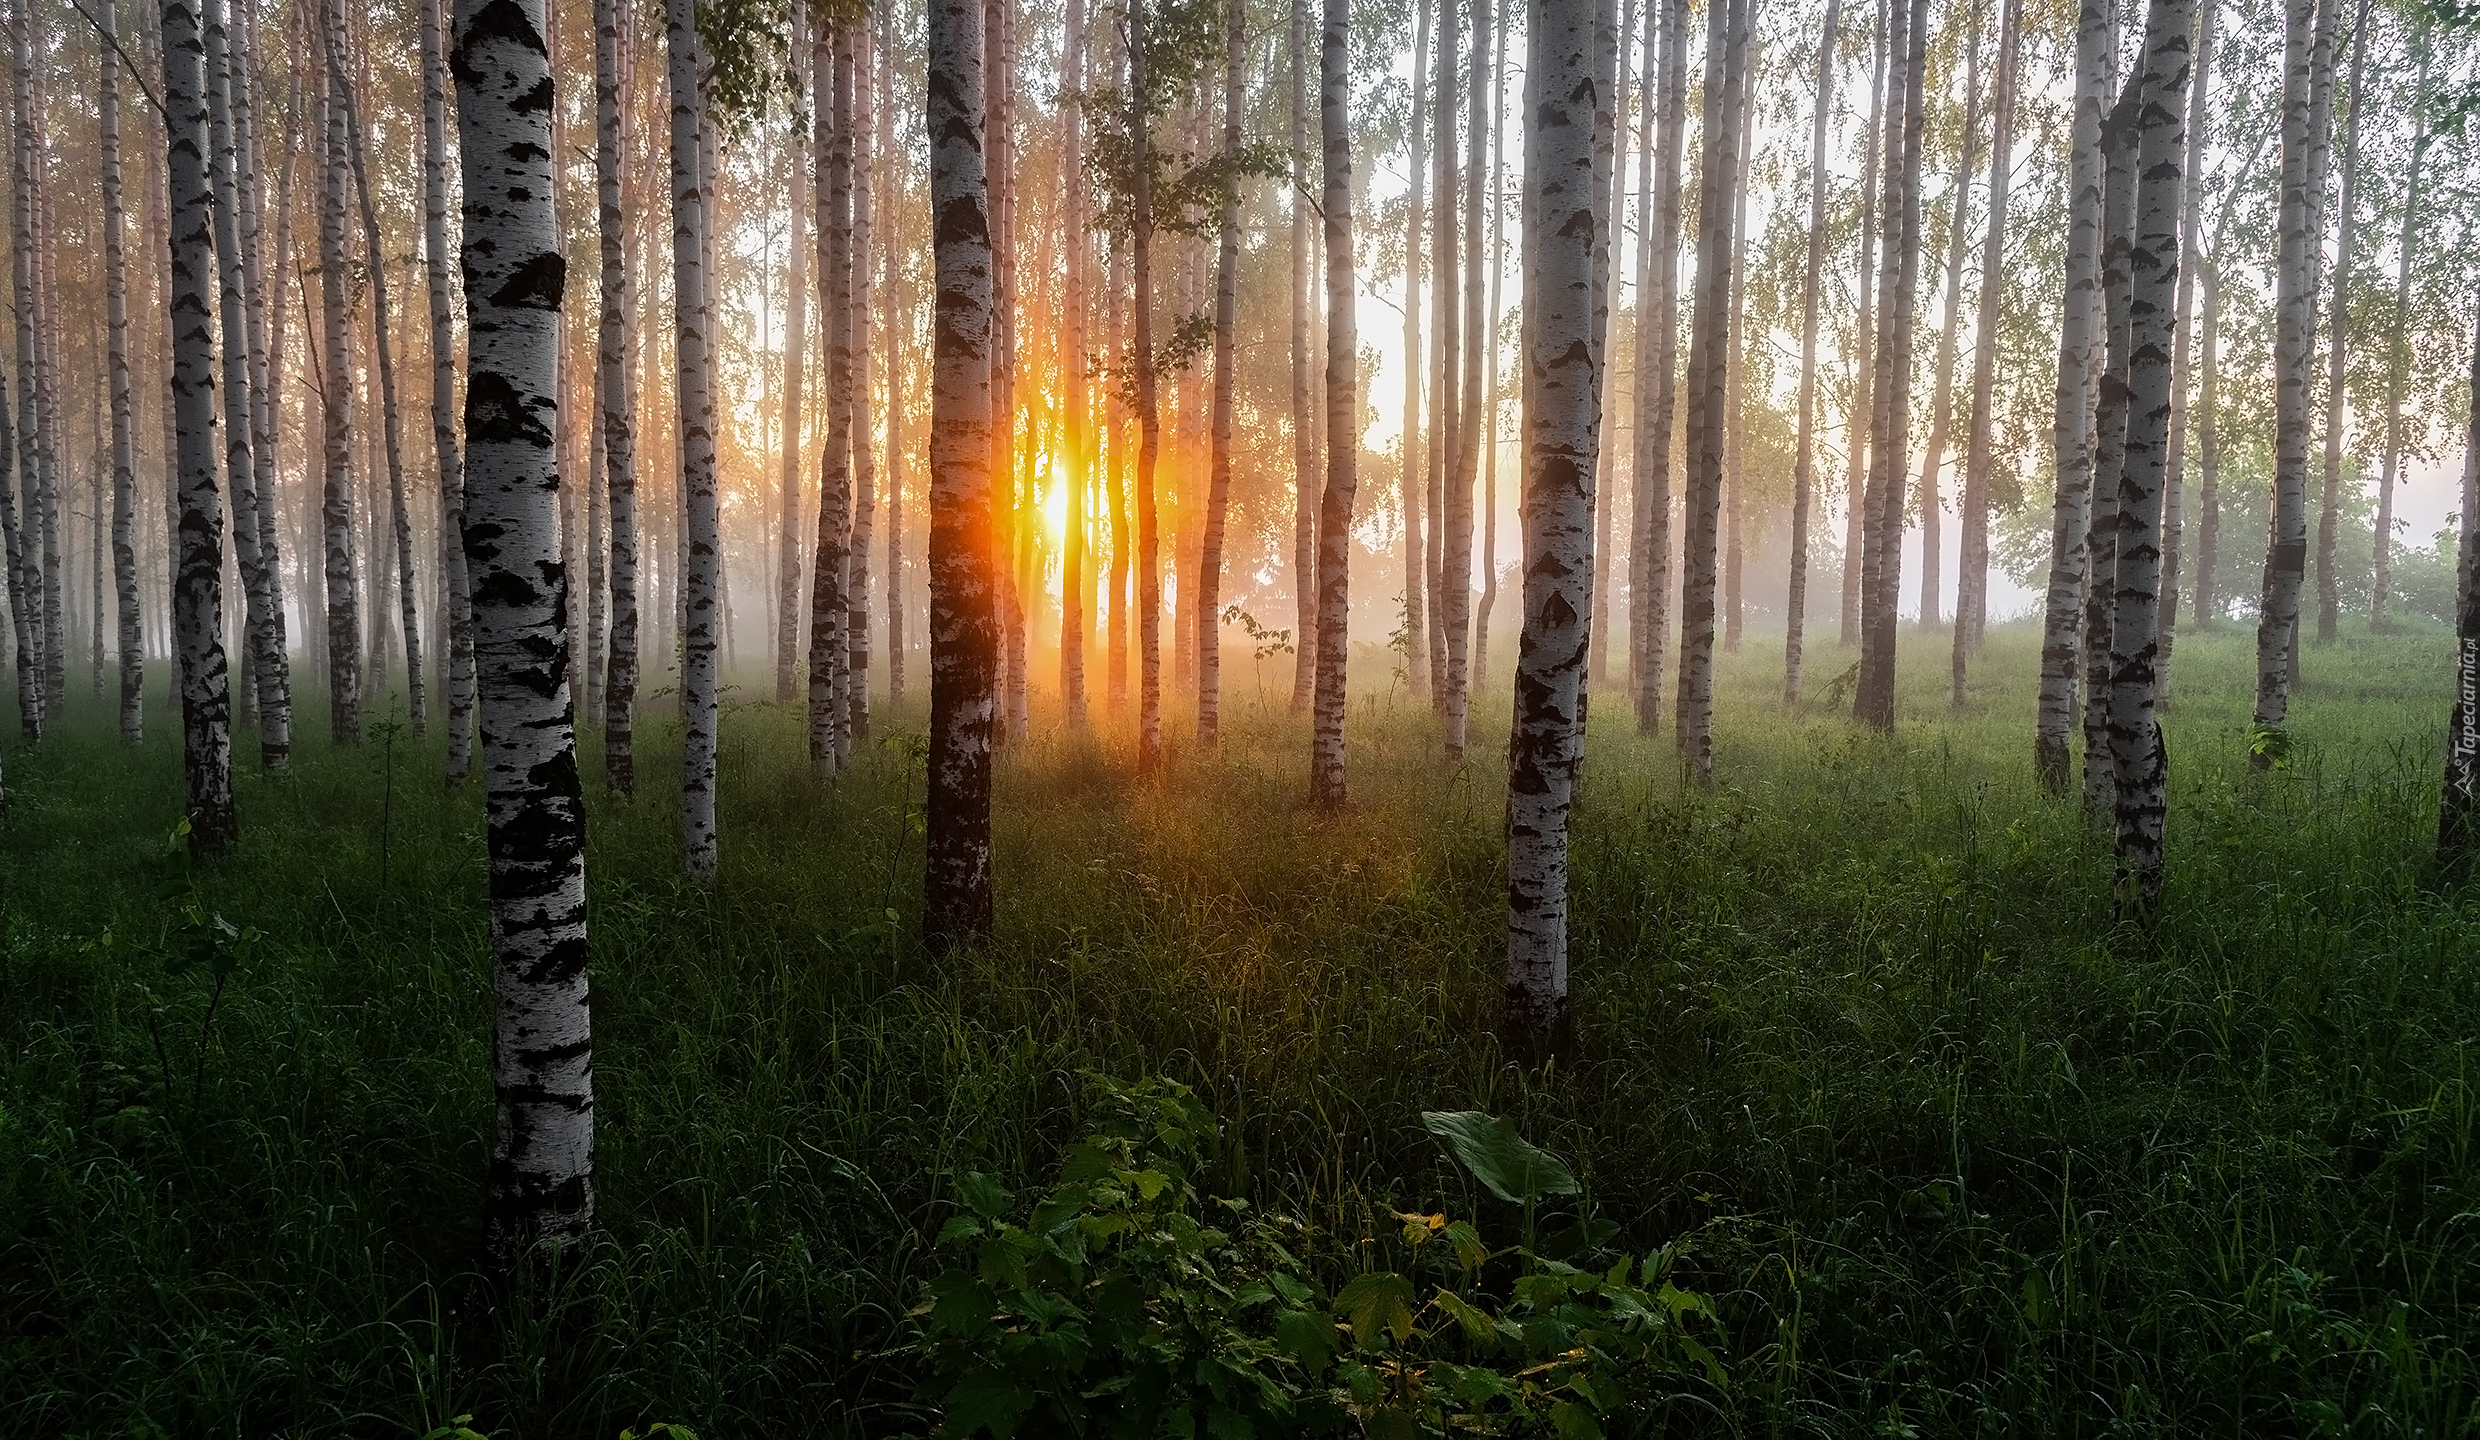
(192, 938)
(1127, 1304)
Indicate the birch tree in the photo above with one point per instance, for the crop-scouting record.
(957, 904)
(197, 592)
(693, 389)
(2458, 811)
(1416, 168)
(342, 582)
(1563, 203)
(1304, 428)
(1343, 426)
(2119, 157)
(796, 372)
(129, 640)
(1657, 371)
(2338, 344)
(1942, 387)
(541, 1188)
(1708, 382)
(1881, 553)
(226, 103)
(2141, 767)
(2407, 246)
(2079, 369)
(1803, 466)
(1078, 434)
(1206, 604)
(2307, 52)
(613, 397)
(830, 605)
(1456, 574)
(1972, 573)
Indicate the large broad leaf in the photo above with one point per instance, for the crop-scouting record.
(1498, 1157)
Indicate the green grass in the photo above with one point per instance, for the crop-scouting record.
(1949, 1150)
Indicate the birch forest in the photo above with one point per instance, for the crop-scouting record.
(1240, 718)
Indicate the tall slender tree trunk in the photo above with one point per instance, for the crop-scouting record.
(1149, 423)
(1708, 379)
(2206, 607)
(1864, 333)
(2174, 476)
(897, 322)
(2381, 578)
(1123, 372)
(693, 389)
(1206, 604)
(400, 514)
(1564, 200)
(2079, 366)
(1972, 576)
(999, 17)
(227, 102)
(1416, 167)
(343, 582)
(198, 596)
(613, 397)
(830, 606)
(542, 1164)
(1881, 553)
(130, 641)
(2458, 812)
(1455, 614)
(1077, 434)
(2307, 54)
(1658, 367)
(1803, 459)
(276, 681)
(956, 893)
(29, 600)
(1343, 403)
(270, 690)
(2118, 147)
(24, 629)
(1304, 428)
(1942, 395)
(1611, 162)
(857, 308)
(2140, 764)
(796, 371)
(1490, 327)
(1446, 365)
(1734, 363)
(2337, 347)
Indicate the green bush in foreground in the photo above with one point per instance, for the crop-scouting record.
(1125, 1304)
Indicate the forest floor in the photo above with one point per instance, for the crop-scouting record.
(1949, 1152)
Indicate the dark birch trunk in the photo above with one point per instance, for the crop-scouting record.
(957, 904)
(131, 642)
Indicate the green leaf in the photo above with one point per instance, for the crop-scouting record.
(1308, 1336)
(1574, 1422)
(1470, 1253)
(982, 1195)
(1382, 1300)
(958, 1229)
(1489, 1147)
(1477, 1325)
(986, 1400)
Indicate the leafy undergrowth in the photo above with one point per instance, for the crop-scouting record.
(1860, 1056)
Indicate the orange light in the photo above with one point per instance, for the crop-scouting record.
(1055, 502)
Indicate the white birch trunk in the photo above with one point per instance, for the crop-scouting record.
(1206, 605)
(796, 372)
(1563, 203)
(1305, 476)
(197, 596)
(1343, 404)
(2140, 764)
(2306, 53)
(225, 101)
(2458, 813)
(2406, 249)
(1657, 381)
(1972, 574)
(2118, 147)
(857, 307)
(542, 1159)
(342, 584)
(2079, 356)
(1415, 543)
(693, 321)
(2338, 346)
(1803, 461)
